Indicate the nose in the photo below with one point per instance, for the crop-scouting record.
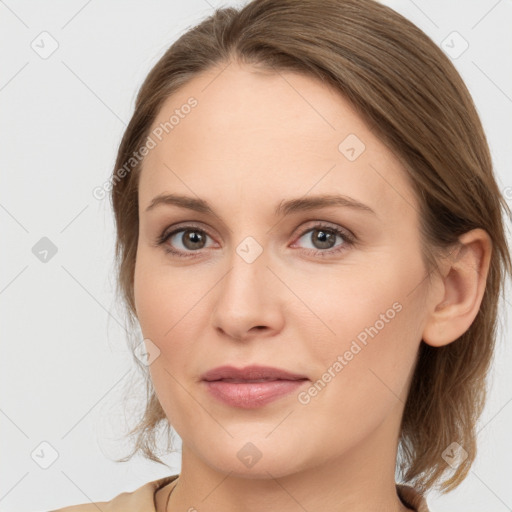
(248, 300)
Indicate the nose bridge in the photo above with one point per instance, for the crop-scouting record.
(248, 268)
(246, 297)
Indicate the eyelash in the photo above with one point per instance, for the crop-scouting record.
(348, 240)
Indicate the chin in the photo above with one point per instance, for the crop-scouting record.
(257, 459)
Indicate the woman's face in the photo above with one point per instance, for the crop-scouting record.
(285, 268)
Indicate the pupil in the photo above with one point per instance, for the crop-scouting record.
(324, 238)
(192, 238)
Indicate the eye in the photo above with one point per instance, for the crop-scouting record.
(323, 238)
(187, 239)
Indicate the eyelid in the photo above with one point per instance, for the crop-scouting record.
(182, 226)
(319, 224)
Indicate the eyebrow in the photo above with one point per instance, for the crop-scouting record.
(285, 207)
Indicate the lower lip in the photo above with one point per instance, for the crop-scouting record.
(249, 395)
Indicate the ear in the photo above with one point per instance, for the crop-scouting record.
(461, 285)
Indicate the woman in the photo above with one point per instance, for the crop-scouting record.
(309, 234)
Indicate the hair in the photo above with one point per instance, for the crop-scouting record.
(411, 96)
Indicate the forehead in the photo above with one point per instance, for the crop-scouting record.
(269, 135)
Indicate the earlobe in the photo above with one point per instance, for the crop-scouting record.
(462, 281)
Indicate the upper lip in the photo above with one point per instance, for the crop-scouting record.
(253, 372)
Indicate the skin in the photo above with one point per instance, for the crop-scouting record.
(253, 140)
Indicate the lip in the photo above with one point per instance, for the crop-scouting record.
(253, 372)
(251, 387)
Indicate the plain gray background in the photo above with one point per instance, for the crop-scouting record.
(64, 360)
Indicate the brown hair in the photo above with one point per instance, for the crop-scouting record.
(412, 97)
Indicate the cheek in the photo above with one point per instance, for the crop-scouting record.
(162, 295)
(165, 302)
(370, 333)
(359, 301)
(170, 311)
(364, 373)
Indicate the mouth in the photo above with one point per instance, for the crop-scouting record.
(249, 380)
(252, 373)
(251, 387)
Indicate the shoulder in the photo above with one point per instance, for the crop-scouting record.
(141, 498)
